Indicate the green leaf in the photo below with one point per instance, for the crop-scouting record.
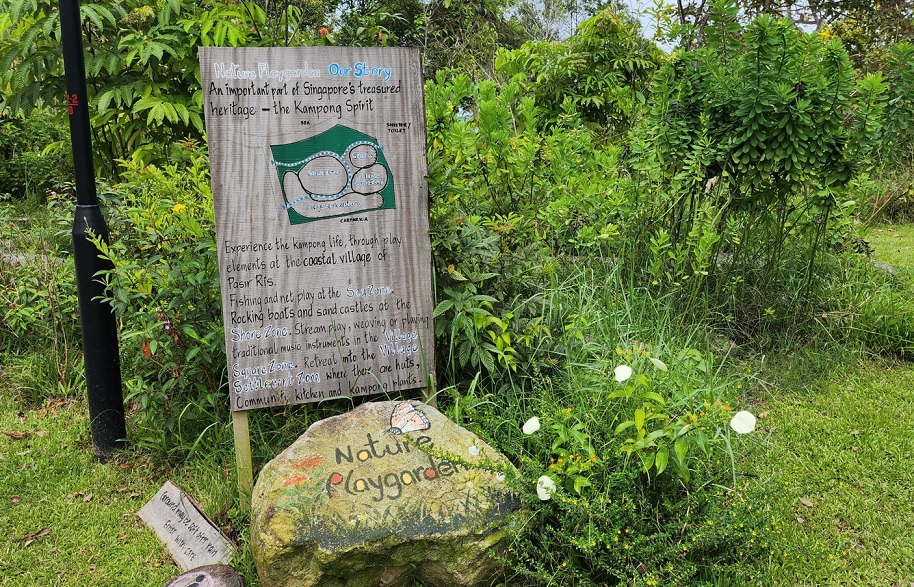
(580, 483)
(104, 99)
(639, 418)
(701, 441)
(656, 397)
(681, 448)
(663, 456)
(156, 113)
(647, 460)
(624, 426)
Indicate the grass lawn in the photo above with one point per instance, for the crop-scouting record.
(833, 450)
(894, 244)
(833, 446)
(66, 519)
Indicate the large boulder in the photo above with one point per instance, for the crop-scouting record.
(386, 493)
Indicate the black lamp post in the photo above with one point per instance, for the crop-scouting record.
(100, 349)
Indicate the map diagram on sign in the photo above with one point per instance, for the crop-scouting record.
(336, 173)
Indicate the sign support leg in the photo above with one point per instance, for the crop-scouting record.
(243, 458)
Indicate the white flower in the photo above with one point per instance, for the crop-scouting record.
(545, 487)
(622, 372)
(531, 425)
(473, 450)
(743, 422)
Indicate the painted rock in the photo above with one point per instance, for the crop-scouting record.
(208, 576)
(387, 493)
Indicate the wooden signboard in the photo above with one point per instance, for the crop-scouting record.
(190, 537)
(318, 173)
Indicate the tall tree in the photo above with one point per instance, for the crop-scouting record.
(866, 28)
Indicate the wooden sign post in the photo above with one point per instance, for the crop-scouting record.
(318, 173)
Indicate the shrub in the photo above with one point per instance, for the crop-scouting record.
(509, 202)
(31, 160)
(645, 486)
(897, 144)
(145, 77)
(165, 290)
(750, 143)
(38, 305)
(603, 70)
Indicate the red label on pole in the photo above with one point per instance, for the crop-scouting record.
(72, 102)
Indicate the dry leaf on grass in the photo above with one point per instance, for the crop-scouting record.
(41, 433)
(15, 498)
(806, 502)
(30, 538)
(15, 435)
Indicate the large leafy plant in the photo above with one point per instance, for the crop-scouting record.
(749, 144)
(141, 63)
(164, 289)
(603, 70)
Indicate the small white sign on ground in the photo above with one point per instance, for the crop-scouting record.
(191, 538)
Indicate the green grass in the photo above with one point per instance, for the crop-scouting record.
(49, 480)
(834, 449)
(894, 245)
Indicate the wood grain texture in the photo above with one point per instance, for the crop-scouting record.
(189, 535)
(318, 175)
(242, 435)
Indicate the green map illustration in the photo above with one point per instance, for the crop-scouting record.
(338, 172)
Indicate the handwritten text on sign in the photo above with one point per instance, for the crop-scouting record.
(190, 537)
(318, 171)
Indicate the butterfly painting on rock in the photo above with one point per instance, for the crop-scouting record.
(407, 418)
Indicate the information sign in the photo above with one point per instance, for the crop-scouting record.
(318, 173)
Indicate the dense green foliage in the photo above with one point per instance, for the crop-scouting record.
(613, 228)
(748, 147)
(141, 57)
(30, 161)
(165, 289)
(867, 29)
(38, 303)
(141, 63)
(603, 70)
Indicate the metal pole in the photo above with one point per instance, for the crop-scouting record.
(100, 349)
